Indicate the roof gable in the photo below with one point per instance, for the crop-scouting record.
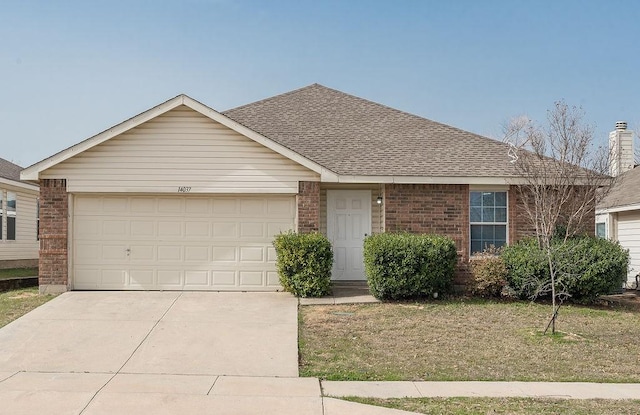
(357, 137)
(32, 172)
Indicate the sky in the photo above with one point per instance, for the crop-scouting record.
(71, 69)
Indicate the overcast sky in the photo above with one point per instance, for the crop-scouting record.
(71, 69)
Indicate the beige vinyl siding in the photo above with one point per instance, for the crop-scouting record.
(181, 148)
(377, 223)
(629, 237)
(26, 244)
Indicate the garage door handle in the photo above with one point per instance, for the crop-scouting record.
(128, 251)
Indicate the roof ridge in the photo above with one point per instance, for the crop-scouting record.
(410, 114)
(260, 101)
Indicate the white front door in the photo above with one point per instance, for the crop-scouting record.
(348, 222)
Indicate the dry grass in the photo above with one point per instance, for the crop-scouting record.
(467, 341)
(512, 406)
(16, 303)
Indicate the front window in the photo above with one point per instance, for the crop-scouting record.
(601, 230)
(488, 219)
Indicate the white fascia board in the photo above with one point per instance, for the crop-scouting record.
(249, 133)
(21, 185)
(502, 181)
(32, 172)
(618, 209)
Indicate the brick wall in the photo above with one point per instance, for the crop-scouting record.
(308, 207)
(54, 210)
(431, 208)
(520, 225)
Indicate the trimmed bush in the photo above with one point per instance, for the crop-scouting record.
(598, 267)
(304, 263)
(489, 273)
(403, 266)
(527, 267)
(587, 267)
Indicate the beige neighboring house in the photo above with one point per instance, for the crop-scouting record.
(182, 197)
(18, 219)
(618, 214)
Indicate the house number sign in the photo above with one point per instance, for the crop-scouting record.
(184, 189)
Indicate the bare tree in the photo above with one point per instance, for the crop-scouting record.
(561, 177)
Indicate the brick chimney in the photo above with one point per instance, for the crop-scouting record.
(621, 149)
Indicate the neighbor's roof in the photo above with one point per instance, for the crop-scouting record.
(354, 136)
(10, 171)
(625, 191)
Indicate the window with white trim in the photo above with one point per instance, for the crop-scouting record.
(488, 220)
(601, 229)
(11, 216)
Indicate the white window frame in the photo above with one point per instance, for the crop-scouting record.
(473, 189)
(14, 216)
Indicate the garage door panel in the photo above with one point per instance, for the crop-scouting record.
(170, 229)
(196, 253)
(225, 207)
(142, 228)
(114, 252)
(223, 278)
(142, 253)
(196, 278)
(273, 280)
(248, 278)
(115, 205)
(170, 205)
(225, 230)
(197, 229)
(141, 278)
(178, 243)
(251, 230)
(225, 254)
(197, 206)
(252, 254)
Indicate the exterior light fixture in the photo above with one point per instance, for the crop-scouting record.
(379, 200)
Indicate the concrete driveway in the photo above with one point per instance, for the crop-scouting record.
(74, 353)
(105, 353)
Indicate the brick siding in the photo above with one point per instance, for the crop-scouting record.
(54, 212)
(431, 208)
(308, 207)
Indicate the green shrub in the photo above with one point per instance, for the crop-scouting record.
(489, 273)
(527, 267)
(304, 263)
(597, 266)
(587, 267)
(402, 265)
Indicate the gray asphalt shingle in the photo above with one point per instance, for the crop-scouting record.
(10, 171)
(354, 136)
(625, 190)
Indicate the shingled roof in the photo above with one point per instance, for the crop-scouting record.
(353, 136)
(625, 191)
(10, 171)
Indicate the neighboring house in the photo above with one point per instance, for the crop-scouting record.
(18, 219)
(184, 197)
(618, 214)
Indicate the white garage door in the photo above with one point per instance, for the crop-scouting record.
(629, 237)
(178, 242)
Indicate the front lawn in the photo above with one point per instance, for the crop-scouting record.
(511, 406)
(18, 272)
(469, 340)
(16, 303)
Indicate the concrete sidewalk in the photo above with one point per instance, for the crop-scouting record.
(566, 390)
